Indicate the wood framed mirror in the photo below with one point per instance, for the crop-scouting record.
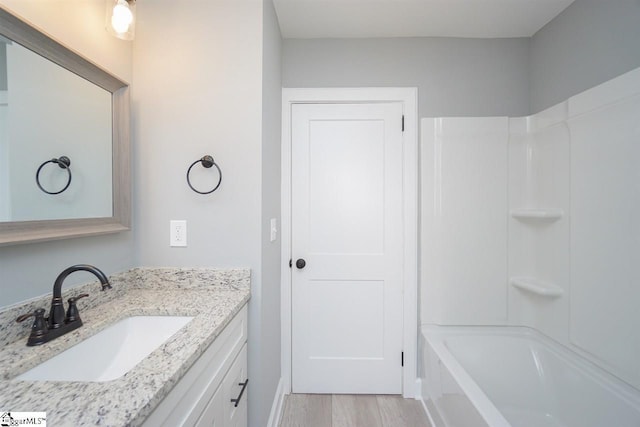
(116, 214)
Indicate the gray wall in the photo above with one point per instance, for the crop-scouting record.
(198, 92)
(455, 77)
(590, 42)
(28, 270)
(213, 88)
(266, 366)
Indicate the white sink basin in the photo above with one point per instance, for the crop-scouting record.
(110, 353)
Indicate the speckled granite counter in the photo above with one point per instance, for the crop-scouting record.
(212, 296)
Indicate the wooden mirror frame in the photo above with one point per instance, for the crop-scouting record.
(17, 232)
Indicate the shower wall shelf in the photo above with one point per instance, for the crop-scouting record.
(550, 214)
(536, 286)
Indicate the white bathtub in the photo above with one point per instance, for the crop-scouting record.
(504, 376)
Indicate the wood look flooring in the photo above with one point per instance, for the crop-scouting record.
(346, 410)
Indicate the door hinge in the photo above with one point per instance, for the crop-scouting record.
(403, 123)
(290, 262)
(402, 359)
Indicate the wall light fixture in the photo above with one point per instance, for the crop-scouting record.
(121, 18)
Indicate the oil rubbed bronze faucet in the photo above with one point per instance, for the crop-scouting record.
(57, 324)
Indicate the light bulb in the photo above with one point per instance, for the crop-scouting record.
(122, 17)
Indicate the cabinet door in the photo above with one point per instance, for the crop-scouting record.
(236, 416)
(213, 414)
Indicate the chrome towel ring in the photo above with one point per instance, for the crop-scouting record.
(207, 162)
(63, 162)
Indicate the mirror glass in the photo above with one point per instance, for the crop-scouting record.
(46, 112)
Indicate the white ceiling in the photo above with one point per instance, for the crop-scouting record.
(415, 18)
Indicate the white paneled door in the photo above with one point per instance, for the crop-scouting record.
(347, 248)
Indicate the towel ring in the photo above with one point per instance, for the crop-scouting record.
(63, 162)
(207, 162)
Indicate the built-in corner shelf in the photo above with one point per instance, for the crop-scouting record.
(550, 214)
(536, 286)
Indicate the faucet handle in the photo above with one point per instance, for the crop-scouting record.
(37, 314)
(74, 299)
(39, 327)
(72, 311)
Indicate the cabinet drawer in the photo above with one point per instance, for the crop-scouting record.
(187, 400)
(213, 415)
(228, 406)
(236, 389)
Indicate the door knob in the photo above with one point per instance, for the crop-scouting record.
(300, 263)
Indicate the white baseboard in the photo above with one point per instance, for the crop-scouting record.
(277, 406)
(424, 406)
(420, 397)
(418, 393)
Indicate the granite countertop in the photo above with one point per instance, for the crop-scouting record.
(212, 296)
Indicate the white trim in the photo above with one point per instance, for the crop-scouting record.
(418, 388)
(420, 397)
(277, 406)
(409, 98)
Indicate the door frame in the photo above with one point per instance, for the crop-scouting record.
(408, 97)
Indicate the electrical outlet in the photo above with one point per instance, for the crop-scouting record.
(274, 229)
(178, 233)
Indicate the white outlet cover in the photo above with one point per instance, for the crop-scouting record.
(178, 233)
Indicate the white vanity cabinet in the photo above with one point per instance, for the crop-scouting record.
(207, 394)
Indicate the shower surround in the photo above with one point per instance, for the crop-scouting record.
(533, 222)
